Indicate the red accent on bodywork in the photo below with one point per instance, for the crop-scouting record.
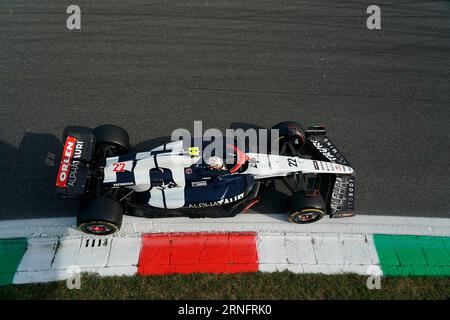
(66, 160)
(165, 253)
(242, 158)
(251, 204)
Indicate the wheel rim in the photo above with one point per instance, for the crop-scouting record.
(306, 216)
(98, 228)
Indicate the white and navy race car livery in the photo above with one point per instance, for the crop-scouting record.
(168, 177)
(174, 178)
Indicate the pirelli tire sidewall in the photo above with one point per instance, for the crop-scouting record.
(112, 135)
(103, 214)
(306, 209)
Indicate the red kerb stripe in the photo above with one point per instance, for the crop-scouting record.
(203, 252)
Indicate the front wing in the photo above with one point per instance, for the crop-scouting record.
(342, 196)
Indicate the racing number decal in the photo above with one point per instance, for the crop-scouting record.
(292, 162)
(119, 167)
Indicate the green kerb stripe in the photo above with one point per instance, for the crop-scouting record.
(413, 255)
(11, 253)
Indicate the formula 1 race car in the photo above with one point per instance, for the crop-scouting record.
(175, 180)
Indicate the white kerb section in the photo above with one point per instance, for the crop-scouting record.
(51, 259)
(318, 253)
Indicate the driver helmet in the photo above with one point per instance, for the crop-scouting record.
(215, 163)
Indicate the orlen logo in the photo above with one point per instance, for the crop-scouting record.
(66, 158)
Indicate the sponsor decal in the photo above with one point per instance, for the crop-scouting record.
(351, 192)
(321, 165)
(343, 194)
(75, 163)
(64, 167)
(329, 150)
(217, 203)
(199, 184)
(324, 150)
(316, 166)
(169, 185)
(73, 173)
(78, 150)
(188, 171)
(121, 184)
(342, 214)
(319, 130)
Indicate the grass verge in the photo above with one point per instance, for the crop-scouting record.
(278, 285)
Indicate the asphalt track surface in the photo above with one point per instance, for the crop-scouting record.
(154, 66)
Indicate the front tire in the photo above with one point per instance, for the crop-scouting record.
(291, 137)
(101, 216)
(112, 137)
(306, 209)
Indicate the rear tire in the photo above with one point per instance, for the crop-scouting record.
(113, 137)
(306, 209)
(291, 137)
(101, 216)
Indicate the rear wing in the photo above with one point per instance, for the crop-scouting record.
(73, 171)
(342, 196)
